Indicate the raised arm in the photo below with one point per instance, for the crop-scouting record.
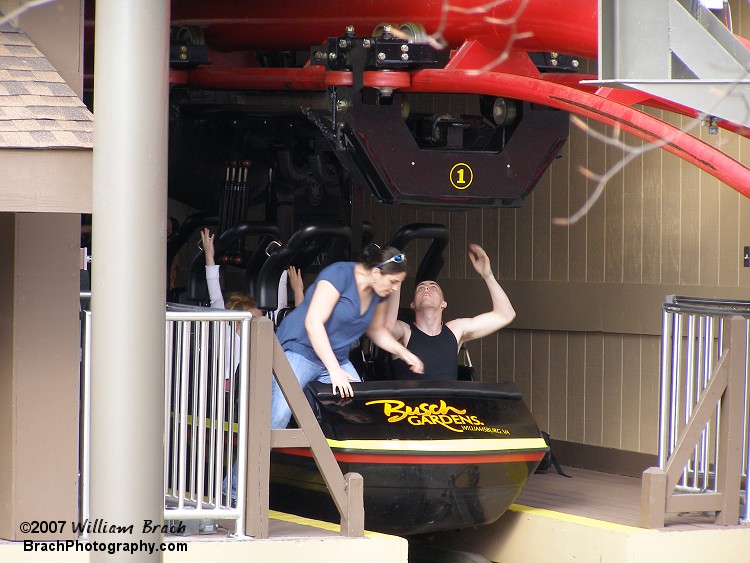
(212, 270)
(298, 286)
(502, 312)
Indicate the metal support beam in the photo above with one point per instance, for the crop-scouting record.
(633, 39)
(675, 50)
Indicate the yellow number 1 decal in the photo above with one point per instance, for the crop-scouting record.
(461, 176)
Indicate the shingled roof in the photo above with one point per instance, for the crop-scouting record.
(38, 110)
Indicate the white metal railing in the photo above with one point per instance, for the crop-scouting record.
(205, 415)
(693, 334)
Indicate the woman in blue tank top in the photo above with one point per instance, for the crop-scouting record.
(347, 300)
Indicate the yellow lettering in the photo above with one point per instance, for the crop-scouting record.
(394, 410)
(426, 413)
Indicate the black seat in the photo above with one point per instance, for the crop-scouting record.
(197, 289)
(466, 373)
(281, 315)
(305, 244)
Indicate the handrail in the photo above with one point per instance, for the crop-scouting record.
(682, 301)
(200, 333)
(724, 309)
(703, 412)
(194, 380)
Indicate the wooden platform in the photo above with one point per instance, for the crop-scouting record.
(602, 496)
(594, 517)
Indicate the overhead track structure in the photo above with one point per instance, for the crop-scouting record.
(677, 50)
(523, 52)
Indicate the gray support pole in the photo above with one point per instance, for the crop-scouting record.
(128, 283)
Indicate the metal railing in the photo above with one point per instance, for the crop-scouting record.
(218, 370)
(205, 415)
(703, 413)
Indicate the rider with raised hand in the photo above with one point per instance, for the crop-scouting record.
(437, 343)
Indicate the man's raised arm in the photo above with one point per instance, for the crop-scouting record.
(502, 312)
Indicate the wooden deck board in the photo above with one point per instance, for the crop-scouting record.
(601, 496)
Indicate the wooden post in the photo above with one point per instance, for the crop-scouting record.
(347, 491)
(327, 464)
(653, 498)
(353, 519)
(730, 426)
(259, 428)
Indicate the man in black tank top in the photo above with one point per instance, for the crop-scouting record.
(438, 354)
(437, 343)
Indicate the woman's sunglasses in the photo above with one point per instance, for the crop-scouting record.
(397, 259)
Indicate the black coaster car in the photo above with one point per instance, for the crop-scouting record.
(434, 455)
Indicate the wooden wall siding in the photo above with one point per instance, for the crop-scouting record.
(577, 191)
(614, 211)
(595, 223)
(671, 218)
(506, 260)
(575, 370)
(560, 207)
(592, 388)
(541, 231)
(539, 402)
(612, 380)
(708, 251)
(560, 406)
(649, 414)
(652, 212)
(691, 210)
(661, 224)
(633, 203)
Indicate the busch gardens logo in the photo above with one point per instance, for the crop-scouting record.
(451, 418)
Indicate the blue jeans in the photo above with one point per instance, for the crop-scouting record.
(234, 485)
(306, 371)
